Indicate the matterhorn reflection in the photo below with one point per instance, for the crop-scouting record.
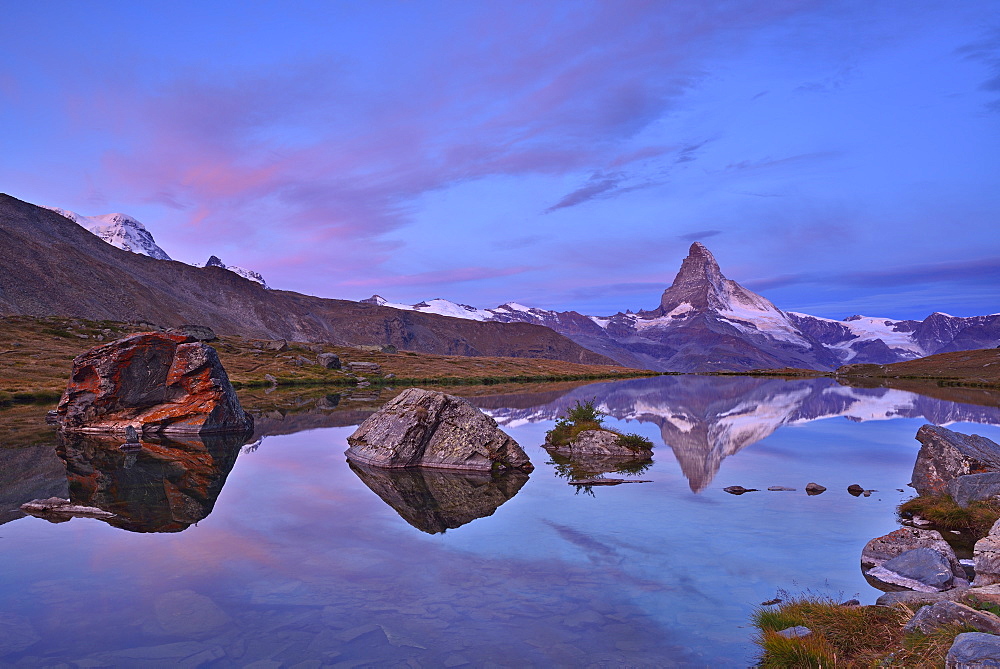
(162, 485)
(435, 500)
(704, 419)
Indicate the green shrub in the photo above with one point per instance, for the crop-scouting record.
(635, 442)
(584, 412)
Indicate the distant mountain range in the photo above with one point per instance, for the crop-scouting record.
(706, 322)
(126, 233)
(51, 266)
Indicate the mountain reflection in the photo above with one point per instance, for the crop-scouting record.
(166, 485)
(435, 500)
(704, 419)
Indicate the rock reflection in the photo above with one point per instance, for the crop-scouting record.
(435, 500)
(32, 472)
(166, 485)
(706, 419)
(578, 469)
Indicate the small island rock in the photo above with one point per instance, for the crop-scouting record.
(431, 429)
(596, 442)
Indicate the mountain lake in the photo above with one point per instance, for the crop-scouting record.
(277, 553)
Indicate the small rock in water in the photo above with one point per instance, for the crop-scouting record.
(814, 489)
(738, 489)
(920, 522)
(855, 490)
(851, 602)
(796, 632)
(772, 602)
(781, 488)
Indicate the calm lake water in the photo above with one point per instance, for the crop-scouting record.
(279, 554)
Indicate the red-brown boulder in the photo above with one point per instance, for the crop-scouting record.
(154, 381)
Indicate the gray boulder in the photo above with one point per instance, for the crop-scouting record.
(796, 632)
(370, 367)
(424, 428)
(973, 649)
(884, 548)
(197, 332)
(596, 442)
(946, 455)
(987, 557)
(329, 360)
(278, 345)
(944, 613)
(973, 487)
(921, 569)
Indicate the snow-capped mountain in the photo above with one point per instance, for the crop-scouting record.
(706, 322)
(126, 233)
(119, 230)
(213, 261)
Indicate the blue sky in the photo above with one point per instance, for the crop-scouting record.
(837, 157)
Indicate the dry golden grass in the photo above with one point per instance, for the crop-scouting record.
(847, 636)
(36, 356)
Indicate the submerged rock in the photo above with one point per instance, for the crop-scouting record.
(164, 383)
(424, 428)
(921, 569)
(881, 550)
(58, 509)
(435, 500)
(945, 455)
(738, 489)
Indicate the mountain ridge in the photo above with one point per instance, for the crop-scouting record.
(706, 322)
(53, 266)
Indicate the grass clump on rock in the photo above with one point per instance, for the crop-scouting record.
(846, 636)
(585, 416)
(945, 513)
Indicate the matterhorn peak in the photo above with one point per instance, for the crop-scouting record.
(699, 284)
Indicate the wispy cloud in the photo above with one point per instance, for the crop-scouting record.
(699, 235)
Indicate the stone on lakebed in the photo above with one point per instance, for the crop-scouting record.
(424, 428)
(164, 383)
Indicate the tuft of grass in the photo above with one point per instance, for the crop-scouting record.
(635, 442)
(847, 636)
(946, 514)
(812, 651)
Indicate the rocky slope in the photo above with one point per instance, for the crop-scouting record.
(52, 266)
(706, 322)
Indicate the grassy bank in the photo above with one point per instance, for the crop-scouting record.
(847, 636)
(36, 356)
